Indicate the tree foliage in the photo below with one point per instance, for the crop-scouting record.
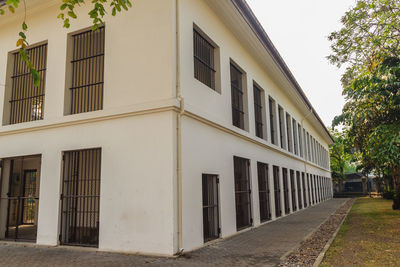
(67, 12)
(372, 113)
(369, 45)
(340, 154)
(370, 32)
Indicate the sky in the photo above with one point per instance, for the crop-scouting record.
(299, 30)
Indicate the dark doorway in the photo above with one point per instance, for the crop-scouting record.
(309, 186)
(80, 199)
(286, 190)
(304, 190)
(211, 228)
(277, 192)
(293, 190)
(22, 197)
(242, 193)
(299, 189)
(263, 191)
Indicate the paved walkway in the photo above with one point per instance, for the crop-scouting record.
(262, 246)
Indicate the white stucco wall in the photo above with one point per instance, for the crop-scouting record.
(137, 179)
(208, 149)
(139, 53)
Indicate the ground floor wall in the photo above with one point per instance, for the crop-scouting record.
(138, 178)
(206, 149)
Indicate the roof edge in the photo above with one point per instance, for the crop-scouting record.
(248, 15)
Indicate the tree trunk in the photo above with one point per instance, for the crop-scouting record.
(396, 185)
(340, 185)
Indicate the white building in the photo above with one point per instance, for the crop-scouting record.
(175, 124)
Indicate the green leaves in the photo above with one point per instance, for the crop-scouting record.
(369, 45)
(97, 12)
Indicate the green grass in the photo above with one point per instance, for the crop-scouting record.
(370, 236)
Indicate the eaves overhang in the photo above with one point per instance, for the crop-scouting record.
(248, 15)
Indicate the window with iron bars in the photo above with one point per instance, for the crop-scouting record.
(258, 112)
(204, 62)
(237, 97)
(87, 71)
(281, 127)
(27, 100)
(295, 144)
(272, 120)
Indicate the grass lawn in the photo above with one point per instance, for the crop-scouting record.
(370, 236)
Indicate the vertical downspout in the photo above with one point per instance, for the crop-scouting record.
(179, 126)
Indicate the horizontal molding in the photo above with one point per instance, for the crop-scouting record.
(249, 139)
(87, 120)
(152, 111)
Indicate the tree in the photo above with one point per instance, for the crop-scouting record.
(372, 113)
(369, 46)
(67, 12)
(371, 32)
(341, 156)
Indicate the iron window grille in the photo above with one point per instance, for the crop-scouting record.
(263, 192)
(295, 145)
(304, 189)
(298, 179)
(242, 193)
(277, 192)
(258, 111)
(309, 186)
(285, 190)
(204, 63)
(272, 119)
(211, 228)
(289, 132)
(313, 188)
(237, 97)
(293, 190)
(87, 71)
(308, 147)
(27, 100)
(281, 127)
(300, 140)
(80, 198)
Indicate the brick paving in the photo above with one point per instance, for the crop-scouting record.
(262, 246)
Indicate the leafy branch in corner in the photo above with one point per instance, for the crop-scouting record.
(67, 8)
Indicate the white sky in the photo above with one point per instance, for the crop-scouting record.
(299, 30)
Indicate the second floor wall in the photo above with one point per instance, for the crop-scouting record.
(129, 63)
(229, 78)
